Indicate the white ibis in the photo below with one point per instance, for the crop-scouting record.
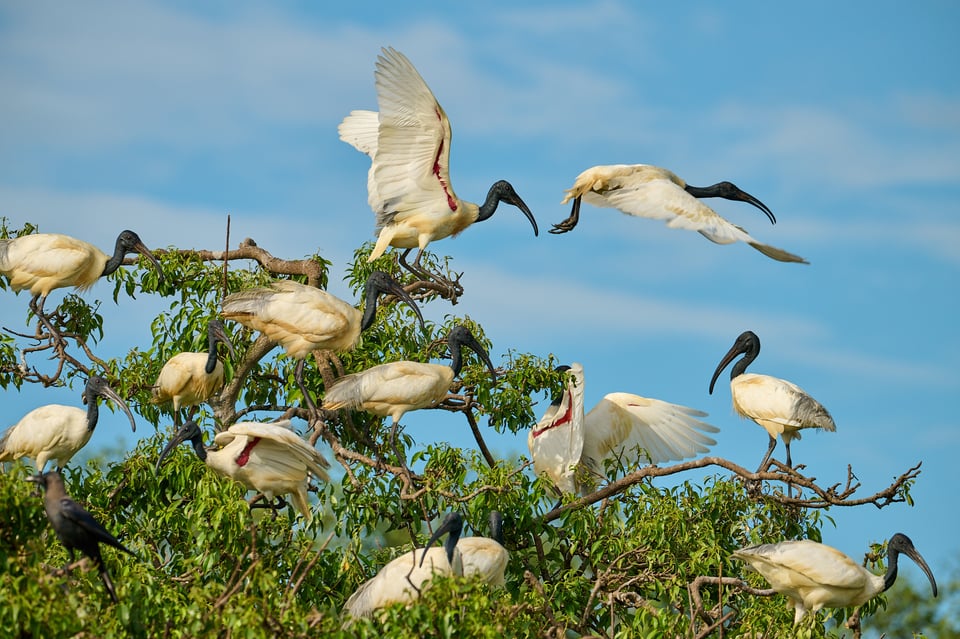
(408, 185)
(304, 319)
(189, 379)
(649, 191)
(57, 432)
(485, 557)
(571, 448)
(815, 576)
(75, 527)
(268, 458)
(398, 387)
(780, 407)
(45, 261)
(403, 579)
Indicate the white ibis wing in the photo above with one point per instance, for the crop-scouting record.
(278, 447)
(412, 165)
(642, 430)
(804, 563)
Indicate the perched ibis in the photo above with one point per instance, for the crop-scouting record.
(403, 579)
(815, 576)
(75, 527)
(398, 387)
(304, 319)
(268, 458)
(189, 379)
(651, 192)
(485, 557)
(408, 184)
(57, 432)
(571, 448)
(780, 407)
(42, 262)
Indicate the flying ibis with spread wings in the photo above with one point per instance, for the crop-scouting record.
(648, 191)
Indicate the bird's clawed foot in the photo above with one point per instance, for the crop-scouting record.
(53, 334)
(447, 288)
(570, 223)
(276, 506)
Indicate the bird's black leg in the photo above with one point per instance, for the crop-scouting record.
(307, 397)
(766, 458)
(36, 305)
(453, 289)
(571, 222)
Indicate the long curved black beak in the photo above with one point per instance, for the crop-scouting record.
(109, 393)
(396, 289)
(142, 249)
(183, 434)
(730, 191)
(914, 554)
(478, 348)
(219, 334)
(729, 357)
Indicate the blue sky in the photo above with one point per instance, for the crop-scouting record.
(844, 118)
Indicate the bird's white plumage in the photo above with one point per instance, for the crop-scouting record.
(269, 458)
(300, 318)
(391, 389)
(53, 431)
(652, 192)
(571, 448)
(780, 407)
(812, 575)
(408, 186)
(183, 380)
(483, 558)
(42, 262)
(402, 580)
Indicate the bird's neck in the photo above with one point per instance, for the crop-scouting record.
(211, 356)
(891, 575)
(456, 359)
(489, 206)
(369, 308)
(93, 412)
(115, 260)
(199, 448)
(741, 366)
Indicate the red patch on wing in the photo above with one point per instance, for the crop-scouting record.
(452, 203)
(566, 418)
(244, 455)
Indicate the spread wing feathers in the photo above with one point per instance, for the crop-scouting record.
(73, 512)
(412, 165)
(385, 386)
(782, 403)
(297, 316)
(397, 583)
(804, 564)
(280, 450)
(360, 130)
(643, 430)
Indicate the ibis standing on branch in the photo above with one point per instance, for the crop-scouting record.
(571, 448)
(42, 262)
(391, 390)
(814, 576)
(268, 458)
(649, 191)
(408, 184)
(57, 432)
(403, 579)
(75, 527)
(189, 379)
(304, 319)
(780, 407)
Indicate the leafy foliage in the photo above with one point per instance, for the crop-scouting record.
(613, 565)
